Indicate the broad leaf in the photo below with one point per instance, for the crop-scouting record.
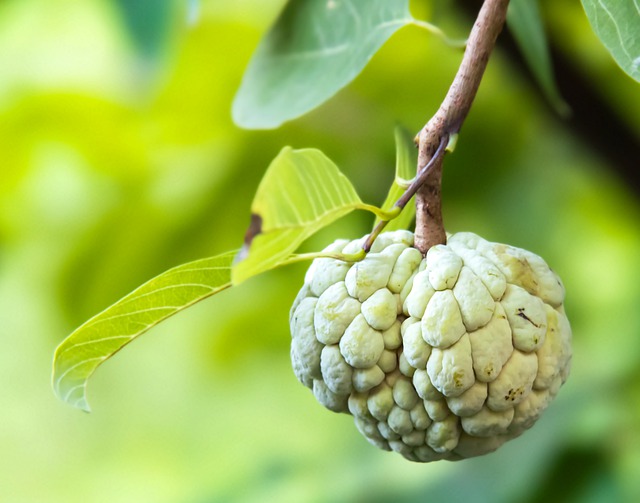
(80, 354)
(617, 24)
(301, 192)
(315, 48)
(525, 23)
(406, 162)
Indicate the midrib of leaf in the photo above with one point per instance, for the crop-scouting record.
(314, 54)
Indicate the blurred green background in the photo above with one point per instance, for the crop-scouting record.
(120, 160)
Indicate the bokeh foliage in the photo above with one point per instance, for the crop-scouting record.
(117, 167)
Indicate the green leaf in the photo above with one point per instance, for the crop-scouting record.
(525, 23)
(315, 48)
(80, 354)
(301, 192)
(617, 24)
(406, 162)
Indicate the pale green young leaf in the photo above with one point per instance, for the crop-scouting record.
(315, 48)
(525, 23)
(617, 25)
(301, 192)
(406, 162)
(94, 342)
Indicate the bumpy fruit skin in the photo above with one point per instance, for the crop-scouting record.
(443, 357)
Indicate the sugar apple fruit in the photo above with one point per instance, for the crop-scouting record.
(443, 357)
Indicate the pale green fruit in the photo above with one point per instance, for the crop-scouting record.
(442, 357)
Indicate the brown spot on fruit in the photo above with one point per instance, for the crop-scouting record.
(520, 312)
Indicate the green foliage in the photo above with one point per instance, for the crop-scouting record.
(405, 171)
(315, 48)
(616, 23)
(147, 22)
(103, 184)
(97, 340)
(525, 23)
(301, 192)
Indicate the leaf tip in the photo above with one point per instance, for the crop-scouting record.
(247, 115)
(562, 108)
(69, 378)
(74, 395)
(83, 405)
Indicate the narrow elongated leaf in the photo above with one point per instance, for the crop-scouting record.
(406, 162)
(315, 48)
(301, 192)
(525, 23)
(80, 354)
(617, 25)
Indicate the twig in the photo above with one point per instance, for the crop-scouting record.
(408, 193)
(449, 118)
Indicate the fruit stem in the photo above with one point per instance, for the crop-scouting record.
(448, 120)
(411, 190)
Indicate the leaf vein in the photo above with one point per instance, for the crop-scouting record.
(168, 287)
(617, 28)
(94, 341)
(75, 366)
(97, 321)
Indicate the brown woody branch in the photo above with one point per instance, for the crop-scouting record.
(449, 118)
